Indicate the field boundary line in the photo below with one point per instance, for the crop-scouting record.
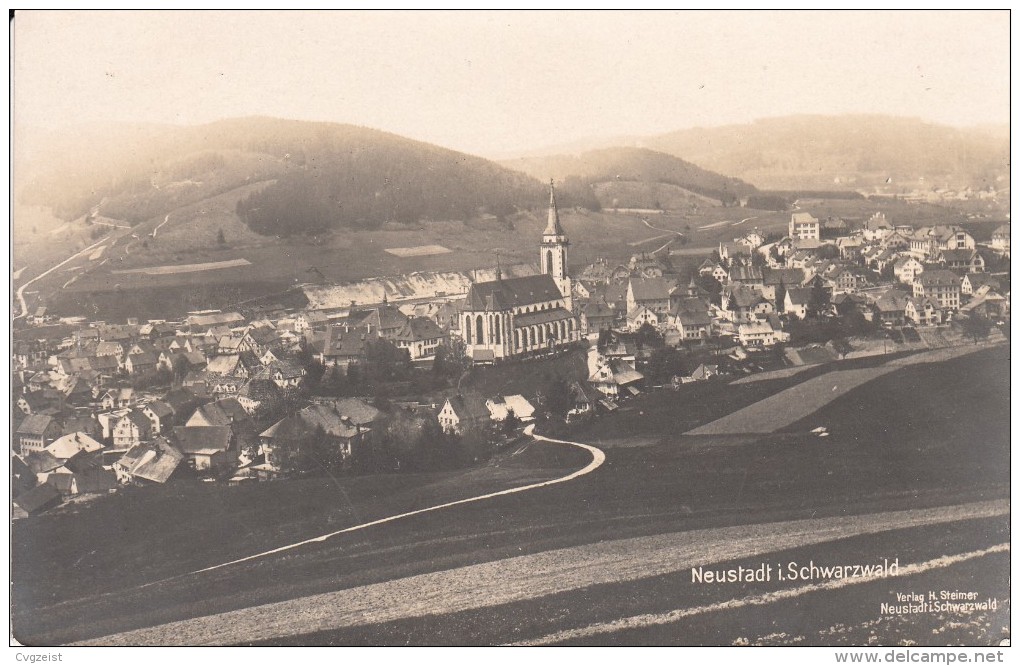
(598, 457)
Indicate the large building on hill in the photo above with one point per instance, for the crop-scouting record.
(504, 318)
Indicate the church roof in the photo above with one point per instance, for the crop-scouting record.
(553, 227)
(498, 295)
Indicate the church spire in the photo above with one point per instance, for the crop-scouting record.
(553, 227)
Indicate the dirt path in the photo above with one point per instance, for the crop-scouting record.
(531, 576)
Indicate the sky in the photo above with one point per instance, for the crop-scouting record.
(498, 83)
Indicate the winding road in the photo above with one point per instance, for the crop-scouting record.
(21, 290)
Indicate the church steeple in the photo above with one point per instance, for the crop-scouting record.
(553, 250)
(553, 228)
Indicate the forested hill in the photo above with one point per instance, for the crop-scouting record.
(850, 151)
(636, 165)
(321, 175)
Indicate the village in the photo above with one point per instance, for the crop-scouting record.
(408, 384)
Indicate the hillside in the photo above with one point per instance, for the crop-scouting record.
(823, 152)
(325, 175)
(635, 165)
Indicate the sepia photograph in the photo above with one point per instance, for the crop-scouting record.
(511, 328)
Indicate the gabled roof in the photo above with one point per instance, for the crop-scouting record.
(939, 278)
(201, 439)
(511, 292)
(70, 445)
(39, 498)
(35, 424)
(223, 364)
(309, 420)
(41, 462)
(903, 261)
(346, 344)
(786, 276)
(799, 295)
(139, 419)
(541, 317)
(649, 289)
(222, 412)
(152, 462)
(419, 328)
(746, 274)
(145, 358)
(357, 410)
(469, 406)
(958, 255)
(743, 296)
(893, 300)
(1002, 230)
(385, 317)
(694, 318)
(160, 409)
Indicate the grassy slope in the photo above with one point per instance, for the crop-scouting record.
(638, 491)
(141, 535)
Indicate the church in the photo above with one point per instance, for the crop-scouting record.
(509, 318)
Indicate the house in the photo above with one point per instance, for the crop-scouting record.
(421, 338)
(965, 260)
(614, 377)
(974, 281)
(343, 432)
(922, 312)
(585, 400)
(650, 293)
(876, 227)
(927, 242)
(743, 304)
(907, 268)
(988, 302)
(940, 285)
(775, 282)
(804, 226)
(721, 275)
(117, 398)
(734, 252)
(68, 446)
(1000, 240)
(39, 499)
(385, 320)
(463, 412)
(159, 414)
(501, 406)
(596, 315)
(313, 320)
(285, 374)
(890, 307)
(846, 280)
(140, 364)
(750, 276)
(797, 302)
(342, 346)
(154, 462)
(207, 448)
(756, 335)
(258, 392)
(109, 348)
(36, 432)
(640, 316)
(222, 412)
(131, 429)
(704, 372)
(693, 324)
